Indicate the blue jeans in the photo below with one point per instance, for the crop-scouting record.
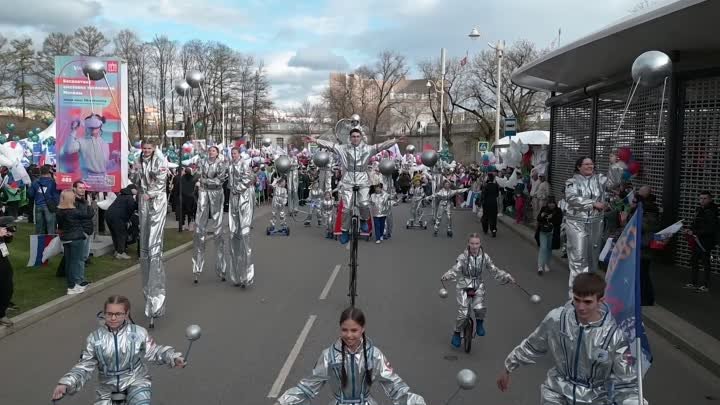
(379, 223)
(545, 251)
(74, 262)
(44, 221)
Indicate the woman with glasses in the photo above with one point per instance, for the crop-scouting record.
(119, 350)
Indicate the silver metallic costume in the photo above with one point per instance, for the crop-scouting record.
(389, 187)
(468, 272)
(408, 163)
(293, 184)
(438, 174)
(208, 217)
(325, 175)
(354, 161)
(328, 369)
(279, 201)
(150, 178)
(313, 203)
(381, 204)
(587, 359)
(416, 205)
(442, 203)
(327, 210)
(120, 359)
(583, 223)
(241, 179)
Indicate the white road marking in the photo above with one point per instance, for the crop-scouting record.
(285, 370)
(330, 282)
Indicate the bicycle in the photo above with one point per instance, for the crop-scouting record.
(467, 331)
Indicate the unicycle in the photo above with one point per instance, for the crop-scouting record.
(468, 328)
(354, 237)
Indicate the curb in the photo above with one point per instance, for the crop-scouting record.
(36, 314)
(698, 345)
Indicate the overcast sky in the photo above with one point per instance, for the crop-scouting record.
(301, 41)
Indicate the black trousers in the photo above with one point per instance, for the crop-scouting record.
(647, 291)
(119, 233)
(700, 256)
(489, 218)
(6, 285)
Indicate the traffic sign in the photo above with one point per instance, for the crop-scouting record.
(510, 126)
(174, 133)
(483, 146)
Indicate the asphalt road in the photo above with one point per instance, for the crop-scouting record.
(248, 335)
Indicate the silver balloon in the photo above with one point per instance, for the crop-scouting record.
(466, 379)
(193, 332)
(194, 78)
(651, 68)
(387, 167)
(443, 293)
(410, 149)
(282, 164)
(94, 69)
(321, 159)
(181, 87)
(429, 158)
(535, 299)
(355, 120)
(266, 142)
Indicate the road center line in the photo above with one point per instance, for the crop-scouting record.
(330, 282)
(285, 370)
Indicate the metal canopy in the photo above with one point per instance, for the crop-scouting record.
(685, 26)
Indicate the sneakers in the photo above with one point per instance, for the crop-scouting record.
(690, 286)
(479, 328)
(702, 289)
(78, 289)
(547, 268)
(377, 242)
(5, 321)
(84, 283)
(123, 256)
(540, 271)
(456, 340)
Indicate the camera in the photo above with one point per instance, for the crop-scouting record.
(7, 223)
(11, 228)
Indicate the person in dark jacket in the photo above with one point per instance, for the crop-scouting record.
(187, 184)
(71, 223)
(547, 233)
(82, 203)
(6, 272)
(488, 201)
(118, 216)
(705, 228)
(45, 194)
(650, 225)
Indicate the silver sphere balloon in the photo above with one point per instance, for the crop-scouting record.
(282, 164)
(266, 142)
(535, 299)
(466, 379)
(181, 87)
(387, 167)
(193, 332)
(194, 78)
(94, 69)
(651, 68)
(321, 159)
(443, 293)
(429, 158)
(410, 149)
(355, 118)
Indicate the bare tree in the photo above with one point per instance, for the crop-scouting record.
(308, 118)
(6, 79)
(522, 103)
(55, 44)
(261, 102)
(162, 56)
(129, 47)
(351, 94)
(408, 116)
(89, 41)
(387, 73)
(23, 58)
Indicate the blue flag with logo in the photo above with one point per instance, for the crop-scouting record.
(623, 288)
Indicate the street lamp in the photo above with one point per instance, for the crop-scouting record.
(223, 125)
(499, 47)
(441, 90)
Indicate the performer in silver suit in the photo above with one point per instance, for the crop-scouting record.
(241, 178)
(416, 204)
(280, 200)
(389, 187)
(381, 209)
(150, 176)
(587, 348)
(354, 159)
(313, 203)
(408, 163)
(442, 204)
(209, 215)
(468, 272)
(327, 212)
(586, 195)
(293, 183)
(351, 366)
(325, 175)
(119, 350)
(438, 173)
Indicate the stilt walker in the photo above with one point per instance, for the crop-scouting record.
(241, 179)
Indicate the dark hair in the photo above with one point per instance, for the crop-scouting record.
(216, 149)
(589, 284)
(551, 200)
(490, 177)
(119, 299)
(235, 149)
(75, 184)
(580, 161)
(707, 193)
(357, 315)
(44, 170)
(355, 130)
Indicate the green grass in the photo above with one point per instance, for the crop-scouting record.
(35, 286)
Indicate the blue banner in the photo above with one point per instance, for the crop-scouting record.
(623, 288)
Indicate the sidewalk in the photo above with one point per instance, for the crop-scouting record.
(687, 319)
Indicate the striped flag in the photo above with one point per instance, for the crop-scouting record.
(42, 248)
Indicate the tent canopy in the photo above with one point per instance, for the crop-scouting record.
(528, 138)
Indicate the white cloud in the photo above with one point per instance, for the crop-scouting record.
(44, 15)
(290, 84)
(318, 59)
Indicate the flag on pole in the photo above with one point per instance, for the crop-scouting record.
(623, 291)
(42, 248)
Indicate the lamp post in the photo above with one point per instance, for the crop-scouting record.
(430, 83)
(223, 125)
(499, 48)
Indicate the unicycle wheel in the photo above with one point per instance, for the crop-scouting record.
(468, 335)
